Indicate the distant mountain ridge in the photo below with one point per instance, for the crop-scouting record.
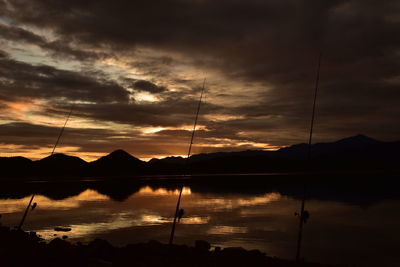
(346, 144)
(354, 153)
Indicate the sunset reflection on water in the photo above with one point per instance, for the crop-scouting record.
(262, 221)
(91, 213)
(147, 190)
(19, 205)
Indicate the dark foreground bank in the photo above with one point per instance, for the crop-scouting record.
(18, 248)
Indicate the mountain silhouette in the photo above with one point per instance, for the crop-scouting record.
(118, 162)
(356, 140)
(118, 157)
(60, 159)
(15, 166)
(356, 153)
(343, 144)
(57, 164)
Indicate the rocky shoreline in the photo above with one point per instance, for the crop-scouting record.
(19, 248)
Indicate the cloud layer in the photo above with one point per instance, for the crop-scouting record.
(133, 69)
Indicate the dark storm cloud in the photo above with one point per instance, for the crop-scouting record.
(273, 42)
(143, 85)
(170, 112)
(271, 38)
(21, 80)
(31, 135)
(17, 132)
(147, 86)
(3, 54)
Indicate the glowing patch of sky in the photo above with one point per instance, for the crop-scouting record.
(189, 128)
(222, 117)
(19, 110)
(152, 130)
(31, 111)
(145, 97)
(118, 68)
(226, 143)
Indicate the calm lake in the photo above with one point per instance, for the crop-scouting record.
(359, 228)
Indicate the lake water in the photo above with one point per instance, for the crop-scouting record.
(360, 233)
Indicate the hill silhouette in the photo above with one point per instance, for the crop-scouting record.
(59, 163)
(118, 157)
(61, 160)
(117, 163)
(15, 166)
(358, 142)
(356, 153)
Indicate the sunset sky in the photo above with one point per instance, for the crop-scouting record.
(134, 70)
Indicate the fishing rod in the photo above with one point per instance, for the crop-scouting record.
(33, 206)
(178, 211)
(304, 214)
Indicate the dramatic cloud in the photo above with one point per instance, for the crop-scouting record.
(139, 64)
(148, 87)
(19, 79)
